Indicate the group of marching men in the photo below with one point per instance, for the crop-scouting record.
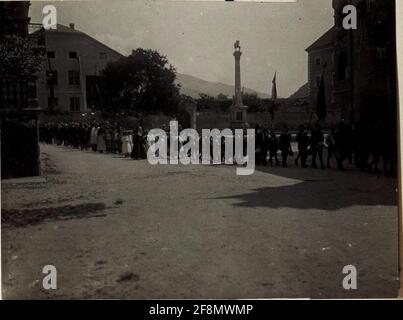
(362, 145)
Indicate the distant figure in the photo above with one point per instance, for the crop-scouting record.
(116, 140)
(108, 140)
(273, 148)
(317, 144)
(285, 146)
(138, 151)
(303, 144)
(259, 145)
(339, 145)
(265, 146)
(331, 146)
(94, 137)
(127, 143)
(101, 146)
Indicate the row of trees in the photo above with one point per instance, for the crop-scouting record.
(222, 103)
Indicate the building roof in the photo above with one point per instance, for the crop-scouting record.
(65, 29)
(72, 30)
(325, 40)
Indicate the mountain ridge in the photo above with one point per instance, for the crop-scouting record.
(193, 86)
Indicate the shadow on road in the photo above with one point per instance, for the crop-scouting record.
(27, 217)
(320, 189)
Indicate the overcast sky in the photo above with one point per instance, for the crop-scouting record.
(198, 37)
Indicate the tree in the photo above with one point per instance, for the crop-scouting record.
(222, 97)
(18, 58)
(252, 101)
(205, 102)
(143, 81)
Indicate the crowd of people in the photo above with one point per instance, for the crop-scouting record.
(362, 145)
(103, 137)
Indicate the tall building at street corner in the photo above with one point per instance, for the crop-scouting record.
(19, 108)
(321, 61)
(360, 65)
(72, 76)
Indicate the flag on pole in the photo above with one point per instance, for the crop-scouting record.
(274, 88)
(273, 96)
(321, 108)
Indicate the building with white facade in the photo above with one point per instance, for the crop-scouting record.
(72, 76)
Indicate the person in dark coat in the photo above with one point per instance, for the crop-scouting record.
(285, 146)
(303, 144)
(273, 148)
(259, 145)
(317, 144)
(265, 146)
(139, 151)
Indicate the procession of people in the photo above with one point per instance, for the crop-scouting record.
(366, 147)
(102, 137)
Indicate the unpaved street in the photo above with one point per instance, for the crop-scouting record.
(119, 228)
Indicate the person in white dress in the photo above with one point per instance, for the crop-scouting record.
(127, 143)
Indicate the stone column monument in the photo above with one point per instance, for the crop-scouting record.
(238, 110)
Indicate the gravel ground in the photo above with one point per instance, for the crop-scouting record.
(118, 228)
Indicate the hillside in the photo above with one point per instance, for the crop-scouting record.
(192, 86)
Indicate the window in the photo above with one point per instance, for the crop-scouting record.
(74, 77)
(239, 116)
(73, 55)
(55, 102)
(74, 104)
(51, 77)
(51, 54)
(103, 55)
(318, 61)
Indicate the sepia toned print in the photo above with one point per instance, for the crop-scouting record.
(199, 150)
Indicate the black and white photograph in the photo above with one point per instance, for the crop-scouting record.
(199, 150)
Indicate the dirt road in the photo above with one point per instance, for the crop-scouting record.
(118, 228)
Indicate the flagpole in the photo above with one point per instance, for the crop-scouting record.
(273, 97)
(322, 84)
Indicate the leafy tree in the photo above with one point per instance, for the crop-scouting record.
(205, 97)
(18, 58)
(252, 101)
(205, 102)
(222, 97)
(143, 81)
(184, 99)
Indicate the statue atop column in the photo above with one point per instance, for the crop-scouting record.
(238, 110)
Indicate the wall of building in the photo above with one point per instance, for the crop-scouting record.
(91, 61)
(18, 110)
(369, 91)
(317, 59)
